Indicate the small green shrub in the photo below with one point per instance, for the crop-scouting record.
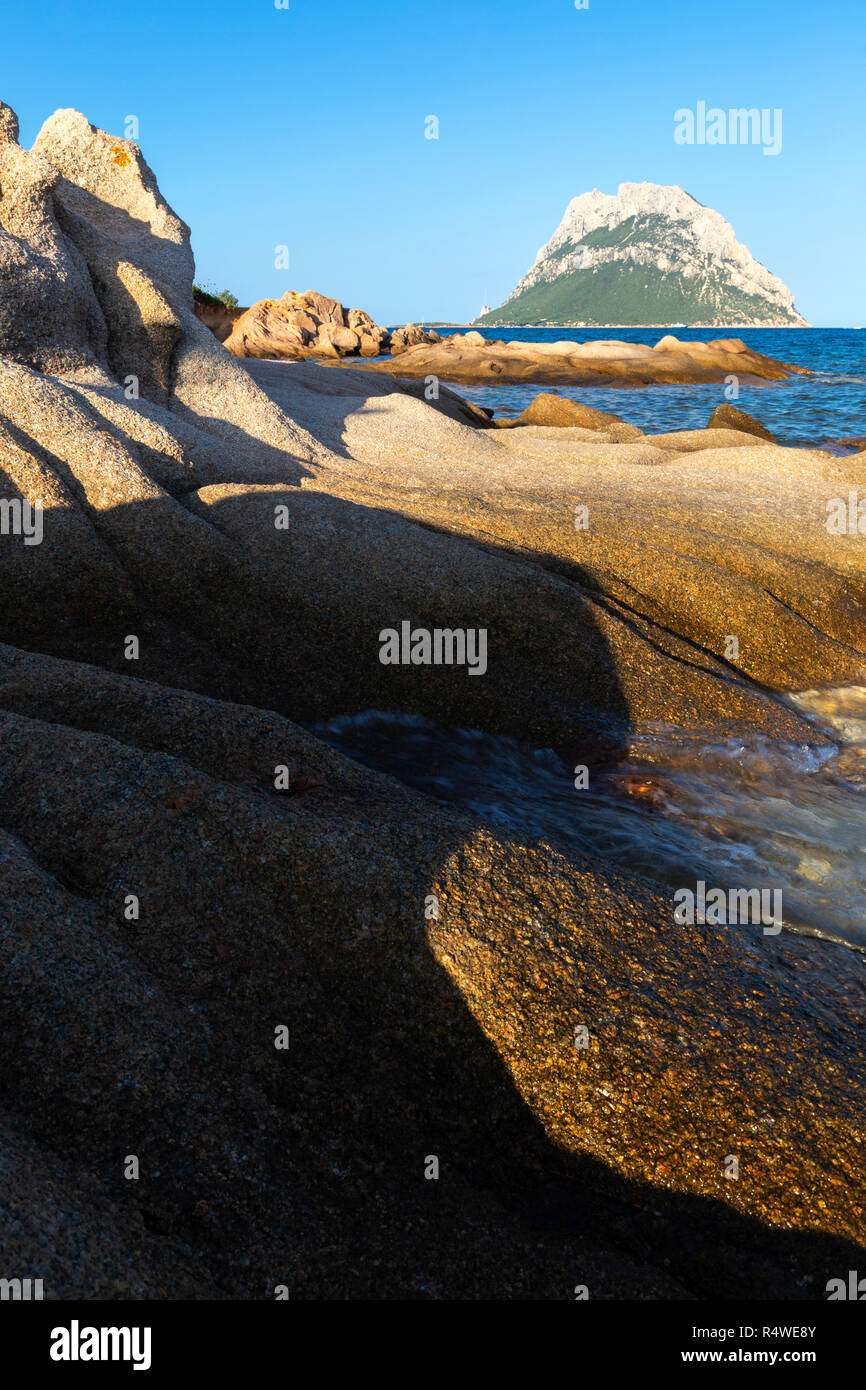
(225, 299)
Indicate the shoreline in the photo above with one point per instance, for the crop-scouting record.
(472, 359)
(637, 327)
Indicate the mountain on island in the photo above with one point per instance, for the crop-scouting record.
(650, 255)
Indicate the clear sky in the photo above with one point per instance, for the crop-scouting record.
(305, 127)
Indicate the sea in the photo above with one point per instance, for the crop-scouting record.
(817, 410)
(681, 805)
(738, 813)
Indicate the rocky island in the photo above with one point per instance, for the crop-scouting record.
(647, 255)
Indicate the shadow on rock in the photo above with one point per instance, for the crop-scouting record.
(413, 1035)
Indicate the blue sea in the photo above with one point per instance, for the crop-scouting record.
(815, 410)
(737, 812)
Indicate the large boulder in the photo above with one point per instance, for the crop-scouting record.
(373, 340)
(404, 338)
(360, 321)
(271, 329)
(137, 253)
(728, 417)
(50, 317)
(325, 309)
(560, 411)
(135, 247)
(370, 345)
(343, 340)
(304, 325)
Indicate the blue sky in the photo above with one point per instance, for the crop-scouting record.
(305, 127)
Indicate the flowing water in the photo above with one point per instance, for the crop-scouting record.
(819, 409)
(678, 807)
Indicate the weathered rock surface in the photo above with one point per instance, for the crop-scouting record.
(260, 1167)
(219, 319)
(49, 314)
(412, 336)
(255, 524)
(729, 417)
(113, 216)
(686, 441)
(304, 325)
(559, 411)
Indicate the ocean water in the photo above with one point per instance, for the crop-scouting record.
(814, 410)
(678, 807)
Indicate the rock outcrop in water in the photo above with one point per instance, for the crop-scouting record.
(649, 255)
(469, 358)
(184, 869)
(560, 412)
(728, 417)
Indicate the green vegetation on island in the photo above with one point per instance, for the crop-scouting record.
(630, 294)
